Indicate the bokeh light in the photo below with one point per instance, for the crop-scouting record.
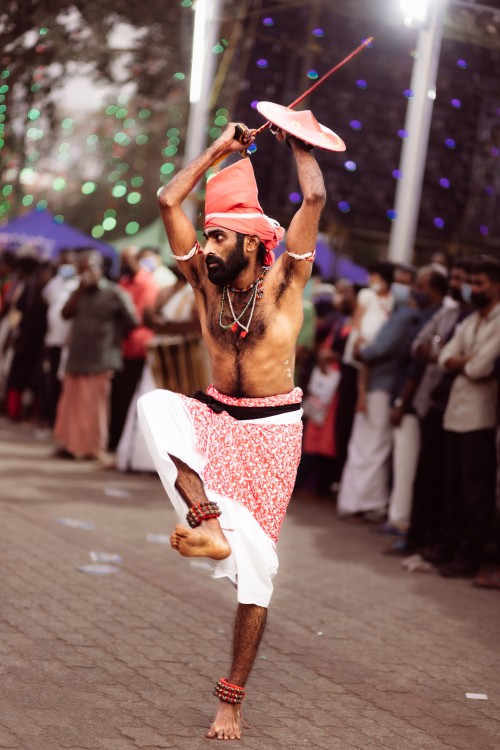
(109, 223)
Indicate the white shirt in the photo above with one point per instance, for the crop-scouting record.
(376, 311)
(474, 394)
(55, 293)
(164, 276)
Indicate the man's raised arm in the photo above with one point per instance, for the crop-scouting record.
(303, 231)
(180, 230)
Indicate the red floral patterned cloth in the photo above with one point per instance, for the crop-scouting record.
(252, 463)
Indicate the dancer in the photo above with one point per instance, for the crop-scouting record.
(229, 456)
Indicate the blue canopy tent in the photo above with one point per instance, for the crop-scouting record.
(39, 229)
(333, 266)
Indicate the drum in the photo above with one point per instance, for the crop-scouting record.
(179, 363)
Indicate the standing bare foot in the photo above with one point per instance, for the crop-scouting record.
(227, 723)
(206, 540)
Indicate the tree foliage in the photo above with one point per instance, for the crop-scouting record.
(130, 46)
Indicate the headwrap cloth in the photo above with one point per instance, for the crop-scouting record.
(232, 203)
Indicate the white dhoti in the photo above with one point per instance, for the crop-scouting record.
(365, 479)
(404, 464)
(169, 429)
(132, 453)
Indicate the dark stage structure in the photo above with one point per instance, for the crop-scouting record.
(277, 49)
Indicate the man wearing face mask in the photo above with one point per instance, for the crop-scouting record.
(365, 481)
(429, 403)
(470, 424)
(427, 295)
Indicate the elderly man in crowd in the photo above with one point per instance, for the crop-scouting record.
(431, 286)
(429, 404)
(102, 315)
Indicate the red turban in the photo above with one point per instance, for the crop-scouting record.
(232, 203)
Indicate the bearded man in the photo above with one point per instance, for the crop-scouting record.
(229, 456)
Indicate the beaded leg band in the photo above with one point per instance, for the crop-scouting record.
(202, 512)
(227, 692)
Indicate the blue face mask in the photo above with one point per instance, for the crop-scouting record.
(400, 292)
(148, 263)
(67, 271)
(466, 292)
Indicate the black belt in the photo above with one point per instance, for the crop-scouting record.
(244, 412)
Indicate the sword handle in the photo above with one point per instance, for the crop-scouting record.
(242, 134)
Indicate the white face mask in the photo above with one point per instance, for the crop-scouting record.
(67, 271)
(466, 292)
(377, 286)
(400, 292)
(149, 263)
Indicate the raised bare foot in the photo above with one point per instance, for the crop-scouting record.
(227, 723)
(206, 540)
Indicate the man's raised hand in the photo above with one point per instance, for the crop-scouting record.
(236, 137)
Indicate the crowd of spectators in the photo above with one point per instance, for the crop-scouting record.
(405, 440)
(400, 379)
(73, 342)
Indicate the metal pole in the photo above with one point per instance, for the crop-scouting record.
(417, 125)
(198, 110)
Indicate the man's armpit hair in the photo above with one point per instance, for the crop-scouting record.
(288, 273)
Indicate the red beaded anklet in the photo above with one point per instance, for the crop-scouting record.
(202, 512)
(229, 693)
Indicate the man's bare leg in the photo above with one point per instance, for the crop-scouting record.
(248, 629)
(207, 539)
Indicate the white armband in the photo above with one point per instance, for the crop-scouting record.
(195, 250)
(307, 256)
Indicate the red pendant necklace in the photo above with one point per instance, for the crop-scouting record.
(237, 320)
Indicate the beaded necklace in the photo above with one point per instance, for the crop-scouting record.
(236, 322)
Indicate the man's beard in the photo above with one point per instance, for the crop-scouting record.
(224, 272)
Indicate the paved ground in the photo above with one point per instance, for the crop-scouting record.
(358, 653)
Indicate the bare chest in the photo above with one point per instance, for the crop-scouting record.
(239, 322)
